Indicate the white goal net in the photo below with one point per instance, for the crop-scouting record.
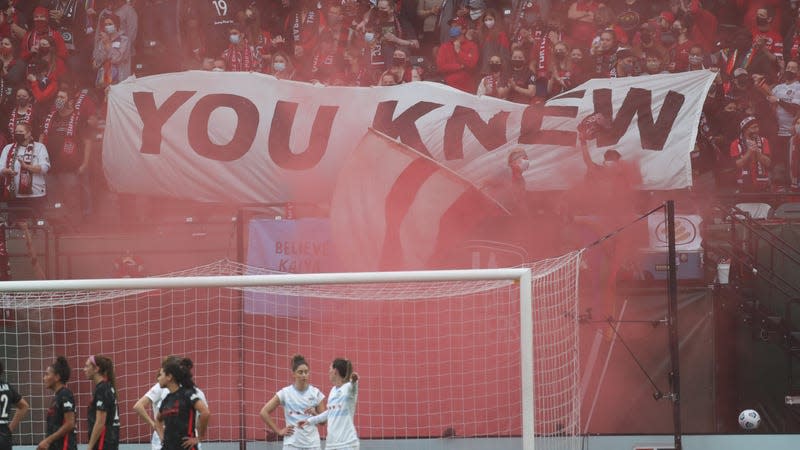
(459, 361)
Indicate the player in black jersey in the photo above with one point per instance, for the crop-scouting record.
(9, 396)
(61, 413)
(103, 413)
(178, 408)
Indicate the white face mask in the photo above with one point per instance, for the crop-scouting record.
(279, 66)
(475, 14)
(369, 37)
(235, 38)
(489, 23)
(111, 29)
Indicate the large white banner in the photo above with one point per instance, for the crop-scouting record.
(249, 138)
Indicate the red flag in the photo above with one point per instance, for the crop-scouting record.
(394, 208)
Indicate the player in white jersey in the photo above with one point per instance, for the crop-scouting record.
(153, 398)
(341, 408)
(300, 400)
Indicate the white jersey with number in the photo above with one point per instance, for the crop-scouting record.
(156, 394)
(341, 411)
(295, 406)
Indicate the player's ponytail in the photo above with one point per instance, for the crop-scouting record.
(297, 361)
(343, 367)
(62, 369)
(180, 369)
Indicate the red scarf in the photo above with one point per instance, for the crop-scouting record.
(16, 119)
(68, 151)
(238, 58)
(7, 193)
(36, 36)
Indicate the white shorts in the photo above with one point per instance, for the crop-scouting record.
(292, 447)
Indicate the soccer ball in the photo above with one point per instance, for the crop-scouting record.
(749, 419)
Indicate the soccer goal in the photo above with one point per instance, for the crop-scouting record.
(460, 359)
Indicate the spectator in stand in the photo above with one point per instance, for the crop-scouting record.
(301, 30)
(767, 38)
(12, 23)
(752, 155)
(282, 67)
(493, 40)
(428, 13)
(356, 73)
(56, 66)
(66, 133)
(127, 20)
(786, 99)
(159, 29)
(458, 59)
(215, 20)
(705, 33)
(70, 19)
(22, 113)
(495, 84)
(580, 69)
(626, 64)
(653, 63)
(791, 43)
(388, 79)
(561, 70)
(394, 30)
(327, 63)
(112, 53)
(239, 56)
(696, 58)
(41, 29)
(522, 87)
(582, 16)
(603, 50)
(42, 84)
(400, 67)
(679, 53)
(14, 68)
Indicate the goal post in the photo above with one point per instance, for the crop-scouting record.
(405, 322)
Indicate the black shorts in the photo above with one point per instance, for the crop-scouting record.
(6, 439)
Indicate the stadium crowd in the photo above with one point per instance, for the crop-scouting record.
(59, 57)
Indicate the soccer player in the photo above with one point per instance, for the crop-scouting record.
(300, 400)
(10, 396)
(103, 414)
(178, 408)
(61, 413)
(341, 407)
(153, 398)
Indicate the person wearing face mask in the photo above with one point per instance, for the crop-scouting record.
(24, 164)
(457, 60)
(301, 30)
(41, 28)
(696, 58)
(521, 79)
(786, 100)
(492, 39)
(42, 84)
(626, 64)
(652, 63)
(112, 53)
(495, 83)
(560, 71)
(239, 56)
(679, 53)
(400, 67)
(127, 20)
(281, 66)
(767, 39)
(752, 156)
(66, 133)
(21, 113)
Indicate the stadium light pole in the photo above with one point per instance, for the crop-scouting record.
(674, 375)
